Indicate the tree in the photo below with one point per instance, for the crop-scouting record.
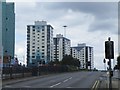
(69, 60)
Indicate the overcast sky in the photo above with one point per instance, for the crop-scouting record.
(87, 22)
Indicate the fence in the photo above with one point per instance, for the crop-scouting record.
(20, 72)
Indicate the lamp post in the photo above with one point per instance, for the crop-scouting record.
(64, 30)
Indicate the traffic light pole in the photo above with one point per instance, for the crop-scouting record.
(110, 78)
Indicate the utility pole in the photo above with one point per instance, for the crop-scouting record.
(64, 30)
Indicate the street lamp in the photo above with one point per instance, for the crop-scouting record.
(64, 30)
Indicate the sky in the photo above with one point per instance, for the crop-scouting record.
(87, 22)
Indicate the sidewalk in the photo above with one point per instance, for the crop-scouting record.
(115, 81)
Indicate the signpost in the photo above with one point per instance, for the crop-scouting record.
(109, 54)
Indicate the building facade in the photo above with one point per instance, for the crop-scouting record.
(39, 43)
(84, 54)
(61, 47)
(7, 30)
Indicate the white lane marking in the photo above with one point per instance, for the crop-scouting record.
(65, 80)
(70, 78)
(8, 86)
(55, 84)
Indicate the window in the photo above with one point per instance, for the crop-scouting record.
(38, 37)
(33, 53)
(38, 30)
(43, 36)
(33, 26)
(42, 56)
(38, 41)
(42, 29)
(33, 33)
(38, 50)
(42, 46)
(33, 46)
(42, 49)
(33, 56)
(33, 50)
(33, 39)
(6, 18)
(6, 29)
(38, 47)
(38, 27)
(42, 39)
(33, 29)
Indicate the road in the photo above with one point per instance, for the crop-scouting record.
(83, 79)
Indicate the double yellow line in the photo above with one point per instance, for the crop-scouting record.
(95, 86)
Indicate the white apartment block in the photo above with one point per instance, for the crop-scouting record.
(39, 43)
(61, 47)
(84, 54)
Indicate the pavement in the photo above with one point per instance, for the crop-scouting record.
(104, 81)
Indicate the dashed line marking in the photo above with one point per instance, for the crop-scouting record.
(55, 84)
(60, 82)
(65, 80)
(70, 78)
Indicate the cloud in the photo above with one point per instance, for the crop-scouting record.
(105, 13)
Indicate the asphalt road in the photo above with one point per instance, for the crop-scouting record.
(66, 80)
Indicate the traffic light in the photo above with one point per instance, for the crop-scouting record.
(109, 50)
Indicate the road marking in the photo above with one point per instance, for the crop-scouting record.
(70, 78)
(55, 84)
(65, 80)
(8, 86)
(95, 86)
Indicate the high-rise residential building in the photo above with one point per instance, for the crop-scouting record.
(7, 30)
(39, 43)
(61, 47)
(84, 54)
